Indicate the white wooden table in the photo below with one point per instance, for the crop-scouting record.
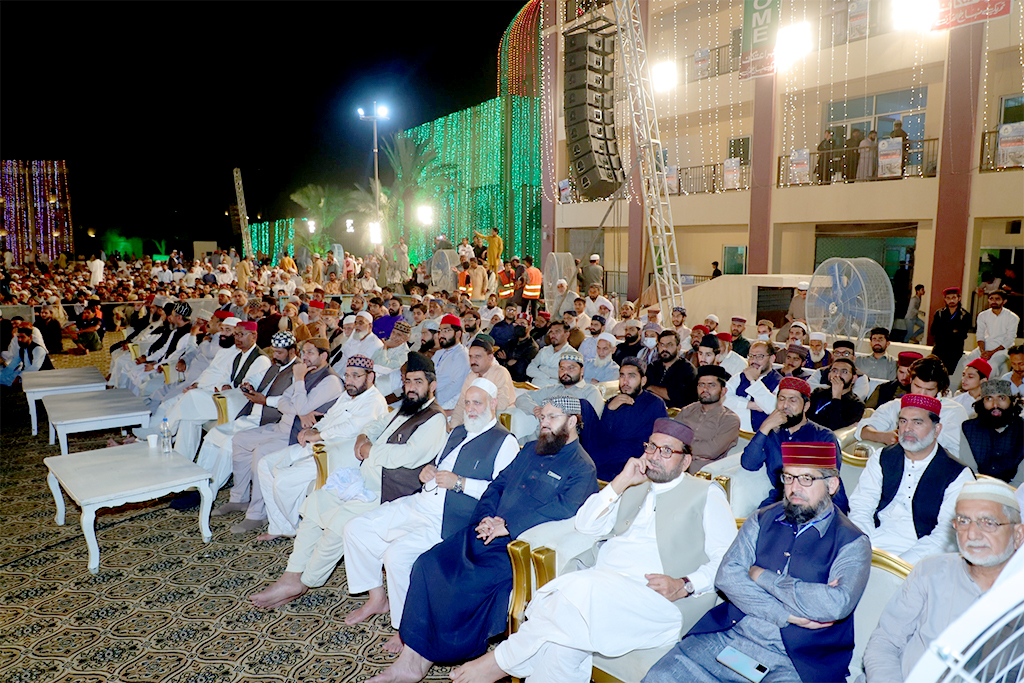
(110, 477)
(72, 413)
(51, 382)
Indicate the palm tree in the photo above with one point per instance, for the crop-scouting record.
(418, 174)
(323, 204)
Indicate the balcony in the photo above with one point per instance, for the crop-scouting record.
(989, 162)
(707, 179)
(921, 160)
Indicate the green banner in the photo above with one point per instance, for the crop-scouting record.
(760, 28)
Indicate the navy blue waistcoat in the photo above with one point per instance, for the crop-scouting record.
(475, 461)
(939, 474)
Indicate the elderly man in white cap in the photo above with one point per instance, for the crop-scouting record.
(260, 410)
(601, 368)
(287, 475)
(564, 298)
(363, 341)
(395, 534)
(942, 587)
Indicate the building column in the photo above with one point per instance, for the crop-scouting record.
(637, 242)
(547, 182)
(762, 175)
(956, 158)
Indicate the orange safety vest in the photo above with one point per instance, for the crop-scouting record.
(506, 285)
(464, 284)
(533, 282)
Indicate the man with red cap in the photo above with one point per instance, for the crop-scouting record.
(975, 374)
(740, 344)
(906, 497)
(949, 329)
(896, 388)
(452, 363)
(791, 579)
(789, 423)
(659, 537)
(730, 360)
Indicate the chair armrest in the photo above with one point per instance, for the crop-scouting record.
(522, 580)
(167, 373)
(133, 349)
(322, 469)
(221, 402)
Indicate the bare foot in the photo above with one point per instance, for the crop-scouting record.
(111, 443)
(376, 603)
(410, 667)
(481, 670)
(282, 591)
(394, 644)
(130, 439)
(271, 537)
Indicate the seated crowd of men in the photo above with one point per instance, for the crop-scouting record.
(427, 488)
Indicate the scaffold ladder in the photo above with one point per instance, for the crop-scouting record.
(243, 217)
(657, 211)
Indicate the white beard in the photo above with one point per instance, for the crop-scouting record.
(602, 362)
(476, 424)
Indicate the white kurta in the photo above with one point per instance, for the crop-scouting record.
(543, 369)
(367, 346)
(757, 392)
(393, 535)
(286, 476)
(896, 533)
(886, 419)
(609, 609)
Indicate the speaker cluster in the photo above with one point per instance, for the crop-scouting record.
(590, 114)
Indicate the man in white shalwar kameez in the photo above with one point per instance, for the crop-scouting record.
(215, 453)
(121, 361)
(193, 364)
(395, 534)
(666, 532)
(287, 475)
(315, 388)
(408, 438)
(174, 348)
(363, 341)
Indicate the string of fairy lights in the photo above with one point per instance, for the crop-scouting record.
(36, 208)
(270, 237)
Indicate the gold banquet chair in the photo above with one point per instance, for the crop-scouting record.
(133, 349)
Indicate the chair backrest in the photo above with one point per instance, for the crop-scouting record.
(888, 573)
(853, 467)
(221, 402)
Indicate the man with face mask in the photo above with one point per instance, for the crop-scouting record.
(458, 590)
(942, 587)
(716, 429)
(648, 574)
(670, 377)
(602, 368)
(287, 475)
(836, 406)
(788, 423)
(616, 434)
(570, 383)
(630, 346)
(993, 442)
(363, 341)
(520, 351)
(905, 499)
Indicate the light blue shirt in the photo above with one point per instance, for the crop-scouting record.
(452, 366)
(608, 373)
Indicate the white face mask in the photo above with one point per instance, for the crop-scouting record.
(650, 342)
(763, 337)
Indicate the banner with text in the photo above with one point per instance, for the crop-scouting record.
(857, 19)
(890, 157)
(800, 166)
(1011, 145)
(760, 28)
(732, 173)
(953, 13)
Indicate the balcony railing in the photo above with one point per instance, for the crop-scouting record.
(920, 159)
(990, 153)
(707, 179)
(721, 60)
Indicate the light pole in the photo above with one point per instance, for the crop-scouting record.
(380, 112)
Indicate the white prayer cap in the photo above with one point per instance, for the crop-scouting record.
(417, 297)
(230, 322)
(818, 336)
(365, 316)
(202, 315)
(802, 325)
(487, 385)
(803, 285)
(712, 317)
(562, 281)
(991, 490)
(225, 292)
(348, 319)
(604, 336)
(603, 301)
(595, 257)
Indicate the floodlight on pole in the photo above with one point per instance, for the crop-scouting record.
(312, 226)
(425, 214)
(380, 113)
(375, 237)
(664, 76)
(350, 225)
(360, 111)
(794, 42)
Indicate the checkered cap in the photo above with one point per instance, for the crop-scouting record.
(282, 340)
(360, 362)
(574, 356)
(570, 405)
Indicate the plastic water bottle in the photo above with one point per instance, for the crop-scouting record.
(165, 437)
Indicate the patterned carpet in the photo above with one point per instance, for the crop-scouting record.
(164, 605)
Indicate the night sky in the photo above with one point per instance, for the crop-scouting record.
(154, 104)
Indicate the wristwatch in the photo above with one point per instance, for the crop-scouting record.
(688, 585)
(459, 482)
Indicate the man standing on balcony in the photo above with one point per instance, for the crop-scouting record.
(825, 166)
(867, 163)
(898, 132)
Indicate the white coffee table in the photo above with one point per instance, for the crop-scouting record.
(71, 413)
(110, 477)
(51, 382)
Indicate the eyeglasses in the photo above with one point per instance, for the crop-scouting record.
(759, 356)
(986, 524)
(805, 480)
(661, 451)
(548, 418)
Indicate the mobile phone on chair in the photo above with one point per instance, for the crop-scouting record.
(744, 665)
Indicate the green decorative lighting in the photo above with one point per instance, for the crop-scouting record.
(269, 238)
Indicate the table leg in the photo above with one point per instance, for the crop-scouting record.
(145, 421)
(89, 529)
(32, 415)
(62, 435)
(53, 434)
(58, 498)
(205, 505)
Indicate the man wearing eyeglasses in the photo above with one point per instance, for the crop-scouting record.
(788, 423)
(791, 579)
(751, 393)
(906, 497)
(942, 587)
(659, 535)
